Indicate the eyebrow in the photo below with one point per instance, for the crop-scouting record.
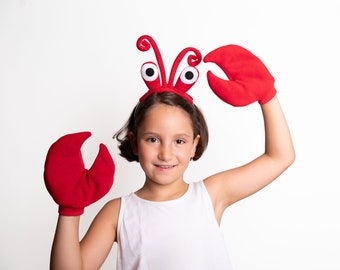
(176, 135)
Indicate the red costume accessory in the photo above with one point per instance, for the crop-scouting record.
(71, 185)
(249, 79)
(155, 78)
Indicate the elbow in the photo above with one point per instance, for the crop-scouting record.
(283, 160)
(289, 158)
(292, 155)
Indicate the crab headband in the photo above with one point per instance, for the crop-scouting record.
(155, 78)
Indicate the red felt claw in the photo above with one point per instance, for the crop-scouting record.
(249, 79)
(71, 185)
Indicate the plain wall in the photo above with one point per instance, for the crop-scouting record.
(69, 66)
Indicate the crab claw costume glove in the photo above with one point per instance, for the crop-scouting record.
(249, 79)
(71, 185)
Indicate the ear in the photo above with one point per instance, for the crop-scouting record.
(133, 142)
(195, 143)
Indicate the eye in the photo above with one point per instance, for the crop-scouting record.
(149, 71)
(152, 139)
(187, 78)
(189, 75)
(150, 74)
(180, 141)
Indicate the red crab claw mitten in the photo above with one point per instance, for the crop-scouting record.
(71, 185)
(249, 79)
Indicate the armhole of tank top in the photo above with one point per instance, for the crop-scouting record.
(206, 194)
(120, 215)
(208, 198)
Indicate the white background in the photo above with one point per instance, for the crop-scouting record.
(68, 66)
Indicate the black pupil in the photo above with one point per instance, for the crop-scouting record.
(189, 75)
(149, 72)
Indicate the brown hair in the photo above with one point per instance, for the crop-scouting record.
(137, 116)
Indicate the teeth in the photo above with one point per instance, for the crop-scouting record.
(165, 166)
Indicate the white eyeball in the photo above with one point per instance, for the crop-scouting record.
(189, 75)
(149, 71)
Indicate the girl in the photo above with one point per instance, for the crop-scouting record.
(168, 223)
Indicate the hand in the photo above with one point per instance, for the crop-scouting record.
(249, 79)
(71, 185)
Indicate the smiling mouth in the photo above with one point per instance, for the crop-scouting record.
(165, 166)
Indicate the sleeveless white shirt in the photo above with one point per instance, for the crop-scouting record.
(180, 234)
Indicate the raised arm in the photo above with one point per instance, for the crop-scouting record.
(249, 81)
(73, 188)
(233, 185)
(65, 253)
(89, 253)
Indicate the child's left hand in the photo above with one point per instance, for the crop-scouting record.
(249, 79)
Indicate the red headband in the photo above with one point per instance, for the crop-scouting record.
(155, 78)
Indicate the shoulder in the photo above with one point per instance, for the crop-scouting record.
(113, 204)
(107, 218)
(111, 209)
(103, 230)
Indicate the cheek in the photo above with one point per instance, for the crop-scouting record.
(187, 154)
(145, 152)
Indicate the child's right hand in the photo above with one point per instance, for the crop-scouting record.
(249, 79)
(71, 185)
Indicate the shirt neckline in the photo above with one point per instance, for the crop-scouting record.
(181, 198)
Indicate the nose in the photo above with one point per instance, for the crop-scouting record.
(165, 153)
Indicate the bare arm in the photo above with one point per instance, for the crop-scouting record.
(65, 252)
(68, 253)
(230, 186)
(73, 188)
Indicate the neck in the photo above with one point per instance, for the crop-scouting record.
(158, 192)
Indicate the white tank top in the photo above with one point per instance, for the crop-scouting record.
(180, 234)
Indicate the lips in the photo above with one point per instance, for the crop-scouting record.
(165, 166)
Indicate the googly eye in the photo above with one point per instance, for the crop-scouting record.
(189, 75)
(150, 74)
(187, 78)
(149, 71)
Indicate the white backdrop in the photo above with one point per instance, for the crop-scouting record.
(68, 66)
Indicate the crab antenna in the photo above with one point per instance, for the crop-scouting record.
(193, 60)
(143, 44)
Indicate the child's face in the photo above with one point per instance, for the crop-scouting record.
(165, 143)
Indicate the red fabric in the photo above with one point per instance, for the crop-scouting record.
(71, 185)
(249, 79)
(157, 82)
